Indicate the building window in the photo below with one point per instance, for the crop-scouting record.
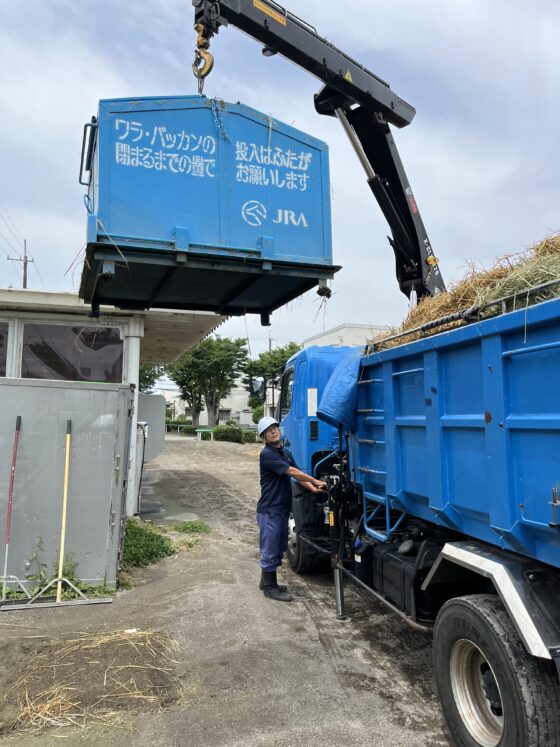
(3, 347)
(66, 353)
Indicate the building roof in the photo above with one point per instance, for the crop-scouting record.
(167, 334)
(346, 334)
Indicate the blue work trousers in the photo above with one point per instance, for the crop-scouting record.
(273, 539)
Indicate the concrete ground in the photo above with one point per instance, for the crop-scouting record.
(256, 672)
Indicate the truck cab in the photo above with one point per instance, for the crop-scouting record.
(303, 380)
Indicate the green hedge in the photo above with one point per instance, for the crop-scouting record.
(186, 429)
(249, 436)
(228, 433)
(178, 421)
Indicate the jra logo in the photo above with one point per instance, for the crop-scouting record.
(289, 218)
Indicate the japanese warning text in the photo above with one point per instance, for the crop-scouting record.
(156, 148)
(263, 166)
(192, 154)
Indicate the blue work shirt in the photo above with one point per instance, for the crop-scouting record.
(276, 485)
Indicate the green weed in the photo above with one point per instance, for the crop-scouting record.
(191, 527)
(144, 545)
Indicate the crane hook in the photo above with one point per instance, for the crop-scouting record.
(203, 59)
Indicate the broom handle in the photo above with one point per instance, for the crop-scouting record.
(64, 507)
(10, 501)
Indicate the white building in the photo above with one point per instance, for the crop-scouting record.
(346, 334)
(233, 407)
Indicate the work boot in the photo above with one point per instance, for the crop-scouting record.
(271, 588)
(275, 582)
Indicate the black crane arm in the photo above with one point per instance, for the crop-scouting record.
(364, 104)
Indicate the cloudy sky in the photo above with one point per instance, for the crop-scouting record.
(482, 153)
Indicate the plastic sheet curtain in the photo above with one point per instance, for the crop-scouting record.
(72, 353)
(338, 403)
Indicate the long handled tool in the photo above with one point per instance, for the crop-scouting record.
(59, 580)
(5, 577)
(64, 514)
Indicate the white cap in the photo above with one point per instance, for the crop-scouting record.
(265, 423)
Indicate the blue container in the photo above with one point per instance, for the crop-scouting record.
(224, 187)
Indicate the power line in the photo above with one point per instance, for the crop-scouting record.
(18, 275)
(35, 267)
(9, 243)
(16, 270)
(5, 252)
(10, 229)
(8, 216)
(14, 229)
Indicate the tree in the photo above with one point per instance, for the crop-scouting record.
(223, 361)
(267, 366)
(185, 374)
(209, 372)
(258, 412)
(149, 375)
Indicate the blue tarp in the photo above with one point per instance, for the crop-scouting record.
(338, 403)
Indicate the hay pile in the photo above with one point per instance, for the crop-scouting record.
(511, 277)
(94, 678)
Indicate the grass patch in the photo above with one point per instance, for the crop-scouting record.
(187, 542)
(191, 527)
(144, 545)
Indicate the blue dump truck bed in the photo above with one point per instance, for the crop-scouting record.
(463, 429)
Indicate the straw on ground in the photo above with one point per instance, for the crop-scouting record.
(92, 678)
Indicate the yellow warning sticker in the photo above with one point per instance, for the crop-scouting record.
(259, 5)
(348, 76)
(331, 518)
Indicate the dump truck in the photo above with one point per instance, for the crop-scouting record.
(441, 455)
(441, 458)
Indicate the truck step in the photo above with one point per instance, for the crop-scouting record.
(375, 498)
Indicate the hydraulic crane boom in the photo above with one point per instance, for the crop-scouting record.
(363, 103)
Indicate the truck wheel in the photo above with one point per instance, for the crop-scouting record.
(301, 557)
(494, 693)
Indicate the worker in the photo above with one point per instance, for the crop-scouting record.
(277, 467)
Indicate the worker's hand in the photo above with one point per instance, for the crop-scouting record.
(317, 486)
(312, 489)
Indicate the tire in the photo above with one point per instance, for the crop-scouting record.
(301, 557)
(493, 693)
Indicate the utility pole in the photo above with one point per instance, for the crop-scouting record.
(25, 260)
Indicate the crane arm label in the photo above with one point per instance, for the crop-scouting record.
(259, 5)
